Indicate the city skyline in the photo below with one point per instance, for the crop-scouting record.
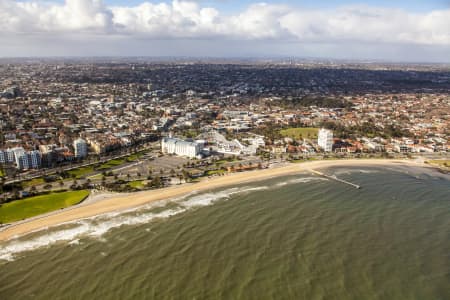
(407, 31)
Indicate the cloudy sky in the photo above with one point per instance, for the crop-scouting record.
(384, 30)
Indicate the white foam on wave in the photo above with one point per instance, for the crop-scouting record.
(75, 242)
(7, 252)
(300, 180)
(210, 198)
(97, 226)
(353, 171)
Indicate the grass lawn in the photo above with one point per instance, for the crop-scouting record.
(81, 172)
(440, 163)
(134, 157)
(33, 182)
(117, 162)
(2, 173)
(227, 160)
(112, 163)
(33, 206)
(301, 132)
(137, 184)
(214, 172)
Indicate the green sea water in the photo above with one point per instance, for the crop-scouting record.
(295, 237)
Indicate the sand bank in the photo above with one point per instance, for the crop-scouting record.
(122, 202)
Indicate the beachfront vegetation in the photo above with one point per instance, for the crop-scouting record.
(136, 184)
(440, 163)
(135, 156)
(120, 161)
(300, 133)
(112, 163)
(215, 172)
(33, 206)
(228, 160)
(80, 172)
(33, 182)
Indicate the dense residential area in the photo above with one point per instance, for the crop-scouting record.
(76, 124)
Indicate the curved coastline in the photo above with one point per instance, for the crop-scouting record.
(128, 201)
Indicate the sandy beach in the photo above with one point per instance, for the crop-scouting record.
(127, 201)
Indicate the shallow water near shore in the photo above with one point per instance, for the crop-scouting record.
(293, 237)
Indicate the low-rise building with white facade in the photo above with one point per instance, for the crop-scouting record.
(180, 147)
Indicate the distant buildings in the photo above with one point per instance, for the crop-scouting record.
(34, 159)
(6, 156)
(236, 101)
(80, 147)
(325, 140)
(22, 159)
(180, 147)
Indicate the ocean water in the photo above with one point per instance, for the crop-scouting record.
(294, 237)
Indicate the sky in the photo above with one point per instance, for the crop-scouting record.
(399, 31)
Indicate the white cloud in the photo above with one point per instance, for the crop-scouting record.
(74, 15)
(191, 20)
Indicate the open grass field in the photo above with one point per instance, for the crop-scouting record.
(215, 172)
(112, 163)
(227, 160)
(301, 132)
(81, 172)
(137, 184)
(33, 206)
(33, 182)
(440, 163)
(134, 157)
(120, 161)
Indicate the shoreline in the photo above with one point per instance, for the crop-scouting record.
(120, 202)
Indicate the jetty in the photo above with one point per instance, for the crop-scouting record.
(333, 177)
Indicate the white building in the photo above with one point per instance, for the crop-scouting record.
(80, 147)
(180, 147)
(20, 158)
(26, 160)
(6, 156)
(34, 159)
(325, 140)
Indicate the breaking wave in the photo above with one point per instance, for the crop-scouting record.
(353, 171)
(300, 180)
(97, 226)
